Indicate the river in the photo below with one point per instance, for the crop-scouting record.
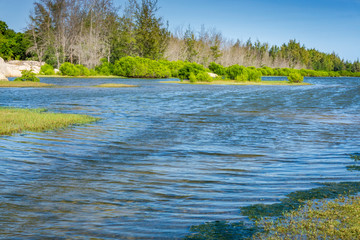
(165, 157)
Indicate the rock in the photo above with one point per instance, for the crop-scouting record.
(14, 68)
(2, 77)
(213, 75)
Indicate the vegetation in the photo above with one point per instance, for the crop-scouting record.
(15, 120)
(114, 85)
(92, 32)
(327, 212)
(337, 219)
(21, 84)
(27, 76)
(47, 69)
(13, 45)
(295, 77)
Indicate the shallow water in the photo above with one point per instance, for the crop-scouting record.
(165, 157)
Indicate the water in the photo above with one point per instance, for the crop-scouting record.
(165, 157)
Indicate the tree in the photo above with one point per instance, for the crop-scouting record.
(151, 36)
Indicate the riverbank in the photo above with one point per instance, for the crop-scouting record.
(16, 120)
(231, 82)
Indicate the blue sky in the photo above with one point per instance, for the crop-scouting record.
(327, 25)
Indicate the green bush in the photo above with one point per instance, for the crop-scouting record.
(27, 76)
(105, 68)
(192, 78)
(217, 69)
(254, 75)
(68, 69)
(137, 67)
(47, 69)
(295, 77)
(82, 70)
(188, 68)
(204, 77)
(234, 71)
(243, 77)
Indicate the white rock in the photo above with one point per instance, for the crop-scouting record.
(2, 77)
(213, 75)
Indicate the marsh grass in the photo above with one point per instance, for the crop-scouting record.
(25, 84)
(336, 219)
(231, 82)
(15, 120)
(113, 85)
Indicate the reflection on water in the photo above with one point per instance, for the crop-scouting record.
(166, 157)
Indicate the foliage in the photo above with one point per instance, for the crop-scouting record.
(295, 77)
(137, 67)
(188, 68)
(217, 69)
(13, 45)
(150, 35)
(337, 219)
(68, 69)
(192, 78)
(254, 75)
(204, 77)
(105, 68)
(234, 71)
(47, 69)
(27, 75)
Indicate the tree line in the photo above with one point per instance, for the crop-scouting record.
(85, 32)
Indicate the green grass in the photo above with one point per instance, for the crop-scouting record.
(113, 85)
(16, 120)
(336, 219)
(26, 84)
(231, 82)
(62, 76)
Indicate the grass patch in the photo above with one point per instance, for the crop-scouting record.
(336, 219)
(297, 199)
(231, 82)
(114, 85)
(26, 84)
(16, 120)
(62, 76)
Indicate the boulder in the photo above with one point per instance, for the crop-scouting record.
(14, 68)
(2, 77)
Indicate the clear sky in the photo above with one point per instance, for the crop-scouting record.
(327, 25)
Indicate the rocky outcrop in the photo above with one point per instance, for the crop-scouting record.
(17, 66)
(2, 77)
(3, 70)
(14, 68)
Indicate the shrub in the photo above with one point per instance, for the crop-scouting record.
(27, 76)
(254, 75)
(68, 69)
(234, 71)
(105, 68)
(217, 68)
(82, 70)
(295, 77)
(204, 77)
(192, 77)
(137, 67)
(47, 69)
(243, 77)
(188, 68)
